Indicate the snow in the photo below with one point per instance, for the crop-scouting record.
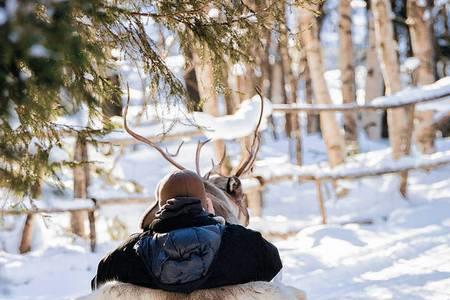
(427, 96)
(377, 244)
(403, 254)
(3, 16)
(13, 121)
(213, 13)
(57, 204)
(88, 76)
(81, 119)
(238, 69)
(33, 146)
(57, 155)
(154, 131)
(374, 162)
(38, 51)
(240, 124)
(175, 62)
(411, 64)
(438, 89)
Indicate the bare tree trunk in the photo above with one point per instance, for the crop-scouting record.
(190, 80)
(421, 30)
(289, 92)
(347, 72)
(266, 76)
(400, 120)
(372, 120)
(27, 231)
(27, 235)
(80, 184)
(207, 92)
(264, 64)
(312, 119)
(331, 132)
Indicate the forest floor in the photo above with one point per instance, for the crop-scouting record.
(403, 254)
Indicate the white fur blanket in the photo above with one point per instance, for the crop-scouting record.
(258, 290)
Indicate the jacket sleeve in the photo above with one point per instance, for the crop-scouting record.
(270, 260)
(115, 265)
(105, 271)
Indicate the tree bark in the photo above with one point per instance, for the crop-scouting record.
(190, 80)
(27, 235)
(331, 132)
(289, 92)
(206, 88)
(400, 120)
(372, 120)
(80, 184)
(347, 72)
(266, 76)
(421, 30)
(312, 119)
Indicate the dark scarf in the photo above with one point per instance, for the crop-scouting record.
(181, 212)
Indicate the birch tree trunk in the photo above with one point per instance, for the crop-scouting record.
(347, 72)
(331, 132)
(372, 120)
(206, 88)
(80, 185)
(400, 120)
(421, 30)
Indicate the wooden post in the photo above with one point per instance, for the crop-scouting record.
(323, 211)
(410, 109)
(25, 242)
(255, 202)
(92, 232)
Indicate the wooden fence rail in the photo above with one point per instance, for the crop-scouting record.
(320, 174)
(90, 206)
(317, 108)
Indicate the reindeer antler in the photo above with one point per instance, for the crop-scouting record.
(197, 155)
(247, 164)
(145, 140)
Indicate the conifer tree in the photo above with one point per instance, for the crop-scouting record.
(54, 56)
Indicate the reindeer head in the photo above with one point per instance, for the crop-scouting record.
(225, 192)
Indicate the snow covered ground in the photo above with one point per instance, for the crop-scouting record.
(404, 254)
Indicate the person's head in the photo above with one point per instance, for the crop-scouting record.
(182, 183)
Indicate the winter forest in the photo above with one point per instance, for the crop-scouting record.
(322, 124)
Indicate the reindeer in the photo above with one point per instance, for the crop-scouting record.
(227, 196)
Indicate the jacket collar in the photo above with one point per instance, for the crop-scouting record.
(181, 212)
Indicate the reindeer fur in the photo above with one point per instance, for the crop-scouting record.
(258, 290)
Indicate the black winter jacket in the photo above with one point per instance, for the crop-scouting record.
(185, 249)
